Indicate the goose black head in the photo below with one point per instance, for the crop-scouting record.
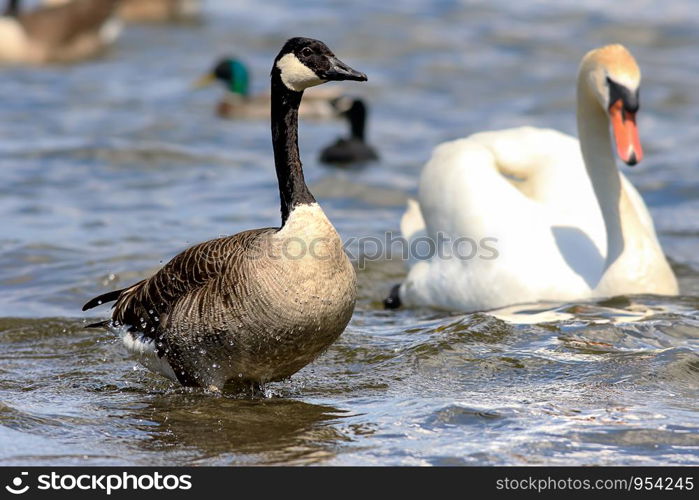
(305, 62)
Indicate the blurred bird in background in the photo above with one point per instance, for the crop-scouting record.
(238, 102)
(352, 149)
(67, 32)
(160, 11)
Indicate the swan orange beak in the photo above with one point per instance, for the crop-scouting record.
(628, 145)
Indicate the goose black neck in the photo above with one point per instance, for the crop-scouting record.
(12, 8)
(285, 109)
(357, 119)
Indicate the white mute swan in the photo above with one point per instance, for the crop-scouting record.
(564, 227)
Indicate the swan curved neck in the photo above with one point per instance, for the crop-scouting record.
(293, 190)
(596, 147)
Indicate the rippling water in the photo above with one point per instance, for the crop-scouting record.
(110, 168)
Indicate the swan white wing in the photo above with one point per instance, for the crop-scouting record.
(412, 227)
(463, 195)
(462, 191)
(412, 224)
(547, 167)
(528, 153)
(543, 164)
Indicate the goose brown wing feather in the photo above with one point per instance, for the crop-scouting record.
(147, 305)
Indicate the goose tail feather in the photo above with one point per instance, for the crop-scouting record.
(99, 324)
(103, 299)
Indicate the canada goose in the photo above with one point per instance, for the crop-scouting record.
(569, 227)
(239, 103)
(352, 149)
(75, 30)
(260, 305)
(154, 11)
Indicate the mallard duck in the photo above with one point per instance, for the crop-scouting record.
(239, 103)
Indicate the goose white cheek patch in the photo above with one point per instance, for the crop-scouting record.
(296, 75)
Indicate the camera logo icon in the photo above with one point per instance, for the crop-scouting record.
(16, 487)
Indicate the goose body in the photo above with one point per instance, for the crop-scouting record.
(239, 317)
(541, 221)
(354, 148)
(239, 103)
(68, 32)
(259, 305)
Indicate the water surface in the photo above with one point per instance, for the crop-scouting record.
(110, 168)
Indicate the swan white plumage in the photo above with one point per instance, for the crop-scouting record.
(564, 226)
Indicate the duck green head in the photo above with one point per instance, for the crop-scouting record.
(232, 73)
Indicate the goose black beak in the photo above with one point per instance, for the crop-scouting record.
(340, 71)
